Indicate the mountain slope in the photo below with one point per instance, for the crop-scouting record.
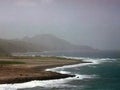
(53, 43)
(3, 52)
(16, 46)
(40, 43)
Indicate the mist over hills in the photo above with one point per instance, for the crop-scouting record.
(53, 43)
(39, 43)
(16, 46)
(49, 42)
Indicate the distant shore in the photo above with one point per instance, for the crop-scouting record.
(24, 69)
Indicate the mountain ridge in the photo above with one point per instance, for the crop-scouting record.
(53, 43)
(40, 43)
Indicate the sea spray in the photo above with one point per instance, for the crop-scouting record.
(58, 82)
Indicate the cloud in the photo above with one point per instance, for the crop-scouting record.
(32, 3)
(26, 3)
(47, 1)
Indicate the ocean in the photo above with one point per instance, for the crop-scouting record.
(102, 74)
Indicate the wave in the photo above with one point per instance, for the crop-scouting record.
(58, 82)
(61, 69)
(46, 83)
(92, 60)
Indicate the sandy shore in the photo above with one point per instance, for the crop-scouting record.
(33, 69)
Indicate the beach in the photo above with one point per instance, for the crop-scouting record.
(28, 68)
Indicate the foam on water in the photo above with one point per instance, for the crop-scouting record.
(92, 61)
(58, 82)
(45, 83)
(66, 66)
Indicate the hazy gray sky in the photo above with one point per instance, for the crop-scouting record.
(94, 23)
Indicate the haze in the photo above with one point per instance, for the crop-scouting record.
(95, 23)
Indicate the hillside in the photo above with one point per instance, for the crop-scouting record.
(16, 46)
(3, 52)
(40, 43)
(50, 43)
(53, 43)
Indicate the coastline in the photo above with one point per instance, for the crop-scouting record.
(30, 76)
(10, 74)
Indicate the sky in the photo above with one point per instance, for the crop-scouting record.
(94, 23)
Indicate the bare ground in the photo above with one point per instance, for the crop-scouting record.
(33, 69)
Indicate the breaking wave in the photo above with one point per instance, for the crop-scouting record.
(58, 82)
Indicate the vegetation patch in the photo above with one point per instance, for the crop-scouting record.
(40, 57)
(11, 62)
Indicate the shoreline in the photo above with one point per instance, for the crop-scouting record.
(10, 74)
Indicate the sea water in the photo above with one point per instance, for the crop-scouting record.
(101, 74)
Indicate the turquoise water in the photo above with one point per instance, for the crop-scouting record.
(102, 74)
(107, 76)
